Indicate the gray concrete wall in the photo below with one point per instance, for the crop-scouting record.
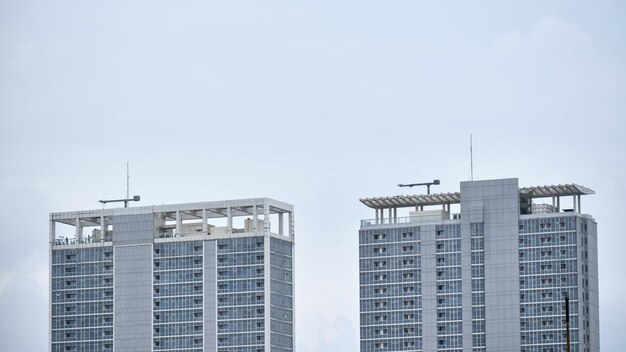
(132, 241)
(594, 319)
(210, 296)
(133, 229)
(499, 200)
(472, 213)
(429, 288)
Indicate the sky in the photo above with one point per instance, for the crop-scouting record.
(312, 103)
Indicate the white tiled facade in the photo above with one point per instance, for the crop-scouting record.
(165, 278)
(489, 279)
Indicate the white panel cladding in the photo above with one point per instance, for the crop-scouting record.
(133, 229)
(133, 298)
(594, 319)
(499, 200)
(210, 296)
(429, 288)
(133, 282)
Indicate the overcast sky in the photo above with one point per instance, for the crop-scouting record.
(315, 104)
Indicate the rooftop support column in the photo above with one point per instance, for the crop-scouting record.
(229, 220)
(179, 223)
(292, 232)
(205, 226)
(103, 228)
(574, 204)
(280, 224)
(395, 215)
(579, 209)
(266, 218)
(255, 218)
(558, 204)
(376, 210)
(53, 230)
(79, 231)
(390, 215)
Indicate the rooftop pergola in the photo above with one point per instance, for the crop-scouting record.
(255, 208)
(412, 200)
(445, 199)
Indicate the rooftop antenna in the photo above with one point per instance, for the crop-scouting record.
(127, 182)
(127, 199)
(471, 160)
(427, 184)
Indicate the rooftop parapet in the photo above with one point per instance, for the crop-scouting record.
(527, 194)
(179, 220)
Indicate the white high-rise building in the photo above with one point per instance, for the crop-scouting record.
(198, 277)
(494, 276)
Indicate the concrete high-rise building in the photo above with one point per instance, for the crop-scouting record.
(211, 276)
(486, 269)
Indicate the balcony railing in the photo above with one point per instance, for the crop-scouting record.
(407, 220)
(74, 240)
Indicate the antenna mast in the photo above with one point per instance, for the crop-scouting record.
(471, 160)
(127, 183)
(128, 198)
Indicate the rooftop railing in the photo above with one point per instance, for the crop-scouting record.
(87, 239)
(406, 220)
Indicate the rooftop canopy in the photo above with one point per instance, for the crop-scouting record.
(455, 198)
(555, 191)
(411, 201)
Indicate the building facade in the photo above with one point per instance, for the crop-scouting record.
(493, 276)
(212, 276)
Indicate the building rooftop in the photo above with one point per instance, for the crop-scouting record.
(403, 201)
(215, 218)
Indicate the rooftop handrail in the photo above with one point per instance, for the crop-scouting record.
(87, 239)
(404, 220)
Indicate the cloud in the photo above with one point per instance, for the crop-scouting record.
(32, 268)
(23, 303)
(326, 333)
(549, 36)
